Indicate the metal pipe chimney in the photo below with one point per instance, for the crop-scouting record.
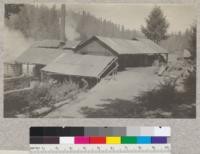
(62, 24)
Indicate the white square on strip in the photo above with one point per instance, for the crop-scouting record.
(66, 140)
(147, 131)
(162, 131)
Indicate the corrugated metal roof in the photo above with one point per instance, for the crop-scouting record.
(47, 44)
(124, 46)
(71, 44)
(41, 56)
(79, 65)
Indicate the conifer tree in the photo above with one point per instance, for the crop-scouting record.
(156, 25)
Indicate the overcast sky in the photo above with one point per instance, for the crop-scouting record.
(132, 16)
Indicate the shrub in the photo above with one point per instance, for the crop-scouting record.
(14, 102)
(41, 95)
(163, 97)
(46, 94)
(190, 86)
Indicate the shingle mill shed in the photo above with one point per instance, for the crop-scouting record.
(43, 52)
(130, 53)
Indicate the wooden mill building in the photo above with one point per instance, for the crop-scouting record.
(52, 59)
(131, 53)
(92, 59)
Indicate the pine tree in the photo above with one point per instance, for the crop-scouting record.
(156, 25)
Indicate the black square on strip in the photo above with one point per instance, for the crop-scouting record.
(66, 131)
(76, 131)
(52, 131)
(36, 140)
(36, 131)
(51, 140)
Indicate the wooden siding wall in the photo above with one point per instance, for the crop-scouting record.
(11, 70)
(95, 48)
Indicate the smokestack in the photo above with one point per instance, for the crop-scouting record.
(62, 23)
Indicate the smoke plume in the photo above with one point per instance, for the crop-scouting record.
(14, 44)
(70, 28)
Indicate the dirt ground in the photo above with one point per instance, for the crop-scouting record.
(125, 85)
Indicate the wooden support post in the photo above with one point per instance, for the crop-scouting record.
(166, 57)
(7, 69)
(20, 69)
(42, 76)
(27, 69)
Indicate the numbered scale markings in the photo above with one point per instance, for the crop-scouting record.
(122, 149)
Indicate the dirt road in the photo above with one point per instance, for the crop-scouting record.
(126, 85)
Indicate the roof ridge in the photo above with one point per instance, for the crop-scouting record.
(119, 43)
(114, 38)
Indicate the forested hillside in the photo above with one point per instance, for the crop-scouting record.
(42, 22)
(177, 42)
